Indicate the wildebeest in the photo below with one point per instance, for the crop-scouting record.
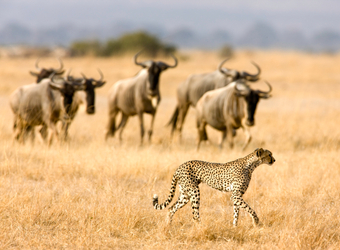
(190, 91)
(227, 109)
(42, 104)
(46, 73)
(137, 95)
(90, 84)
(89, 88)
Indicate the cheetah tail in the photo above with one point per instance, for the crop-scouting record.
(170, 197)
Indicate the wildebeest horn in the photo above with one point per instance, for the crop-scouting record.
(84, 78)
(37, 64)
(176, 62)
(252, 77)
(221, 64)
(97, 82)
(101, 76)
(135, 59)
(265, 93)
(33, 73)
(227, 72)
(61, 65)
(100, 82)
(67, 75)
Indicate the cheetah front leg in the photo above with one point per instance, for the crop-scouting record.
(240, 203)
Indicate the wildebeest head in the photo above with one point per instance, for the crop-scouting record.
(89, 86)
(237, 75)
(67, 89)
(46, 73)
(154, 70)
(251, 98)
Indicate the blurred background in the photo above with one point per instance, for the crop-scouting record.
(81, 27)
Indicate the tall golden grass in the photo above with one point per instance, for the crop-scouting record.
(93, 194)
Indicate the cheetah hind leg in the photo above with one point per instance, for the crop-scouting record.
(236, 214)
(182, 200)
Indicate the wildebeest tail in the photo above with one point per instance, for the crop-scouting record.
(170, 197)
(174, 119)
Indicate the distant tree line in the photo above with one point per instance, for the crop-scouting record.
(259, 35)
(128, 43)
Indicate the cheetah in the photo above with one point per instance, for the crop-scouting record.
(231, 177)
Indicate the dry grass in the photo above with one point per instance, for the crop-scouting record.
(92, 194)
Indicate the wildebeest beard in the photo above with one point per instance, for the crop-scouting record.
(154, 74)
(90, 98)
(68, 99)
(252, 100)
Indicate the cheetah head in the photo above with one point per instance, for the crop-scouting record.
(265, 156)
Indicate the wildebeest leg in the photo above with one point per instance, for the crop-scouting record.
(224, 135)
(26, 132)
(230, 135)
(141, 122)
(49, 136)
(111, 128)
(31, 132)
(246, 130)
(16, 130)
(173, 121)
(43, 132)
(18, 135)
(22, 131)
(151, 125)
(64, 129)
(202, 133)
(122, 124)
(19, 130)
(15, 123)
(52, 132)
(183, 110)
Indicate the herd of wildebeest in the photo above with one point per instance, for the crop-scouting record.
(223, 99)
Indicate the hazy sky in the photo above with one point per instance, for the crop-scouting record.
(204, 16)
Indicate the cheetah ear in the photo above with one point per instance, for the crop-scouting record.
(259, 152)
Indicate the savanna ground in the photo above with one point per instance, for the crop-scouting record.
(89, 193)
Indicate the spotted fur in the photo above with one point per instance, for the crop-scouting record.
(231, 177)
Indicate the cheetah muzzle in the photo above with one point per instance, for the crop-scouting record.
(231, 177)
